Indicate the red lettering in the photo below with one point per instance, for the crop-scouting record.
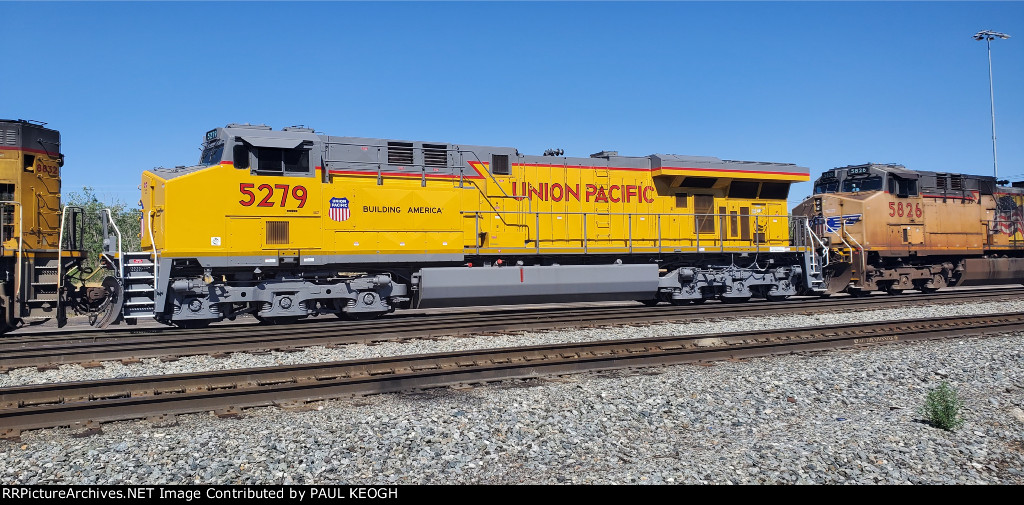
(648, 199)
(631, 190)
(575, 193)
(535, 191)
(892, 209)
(601, 196)
(611, 189)
(246, 189)
(558, 197)
(265, 202)
(591, 191)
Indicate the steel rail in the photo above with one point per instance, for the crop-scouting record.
(88, 403)
(40, 352)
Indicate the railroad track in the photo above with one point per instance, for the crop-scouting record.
(91, 347)
(87, 404)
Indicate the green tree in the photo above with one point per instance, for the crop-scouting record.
(127, 218)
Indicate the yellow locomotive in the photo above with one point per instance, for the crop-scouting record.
(892, 229)
(39, 242)
(291, 223)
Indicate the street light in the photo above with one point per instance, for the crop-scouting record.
(988, 36)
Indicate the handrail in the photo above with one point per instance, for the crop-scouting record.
(60, 254)
(854, 241)
(814, 236)
(120, 260)
(21, 233)
(630, 240)
(156, 253)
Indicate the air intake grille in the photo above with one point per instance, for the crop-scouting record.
(435, 155)
(940, 181)
(499, 164)
(399, 153)
(9, 137)
(277, 232)
(956, 182)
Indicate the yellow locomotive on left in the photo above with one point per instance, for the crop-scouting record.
(33, 262)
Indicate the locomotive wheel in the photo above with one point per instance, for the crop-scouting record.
(699, 301)
(776, 298)
(359, 316)
(679, 302)
(109, 310)
(893, 291)
(193, 324)
(277, 320)
(649, 303)
(735, 300)
(926, 289)
(858, 293)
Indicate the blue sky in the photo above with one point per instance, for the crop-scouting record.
(135, 85)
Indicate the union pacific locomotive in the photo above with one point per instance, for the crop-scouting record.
(892, 229)
(291, 223)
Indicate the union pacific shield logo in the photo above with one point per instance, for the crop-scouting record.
(834, 223)
(339, 209)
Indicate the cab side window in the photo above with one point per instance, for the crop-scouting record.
(272, 161)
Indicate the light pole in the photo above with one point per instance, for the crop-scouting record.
(988, 36)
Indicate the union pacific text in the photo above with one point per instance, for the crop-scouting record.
(557, 192)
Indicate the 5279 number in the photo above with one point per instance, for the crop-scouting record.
(297, 192)
(909, 209)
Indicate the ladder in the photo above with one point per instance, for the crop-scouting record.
(139, 284)
(43, 282)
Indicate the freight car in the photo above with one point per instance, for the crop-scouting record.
(292, 223)
(892, 229)
(41, 250)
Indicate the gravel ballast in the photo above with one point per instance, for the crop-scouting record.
(847, 416)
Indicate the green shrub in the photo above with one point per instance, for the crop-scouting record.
(942, 408)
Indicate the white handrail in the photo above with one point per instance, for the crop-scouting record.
(824, 249)
(120, 260)
(60, 253)
(156, 254)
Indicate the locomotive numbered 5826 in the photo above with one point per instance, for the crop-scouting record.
(892, 229)
(291, 223)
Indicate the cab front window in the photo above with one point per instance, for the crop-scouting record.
(862, 184)
(212, 154)
(826, 187)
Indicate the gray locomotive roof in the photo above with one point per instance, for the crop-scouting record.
(674, 160)
(29, 135)
(345, 152)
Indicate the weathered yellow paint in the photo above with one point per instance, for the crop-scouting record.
(37, 188)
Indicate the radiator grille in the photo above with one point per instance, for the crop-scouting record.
(399, 153)
(277, 232)
(435, 155)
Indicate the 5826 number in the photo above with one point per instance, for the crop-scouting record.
(909, 209)
(297, 192)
